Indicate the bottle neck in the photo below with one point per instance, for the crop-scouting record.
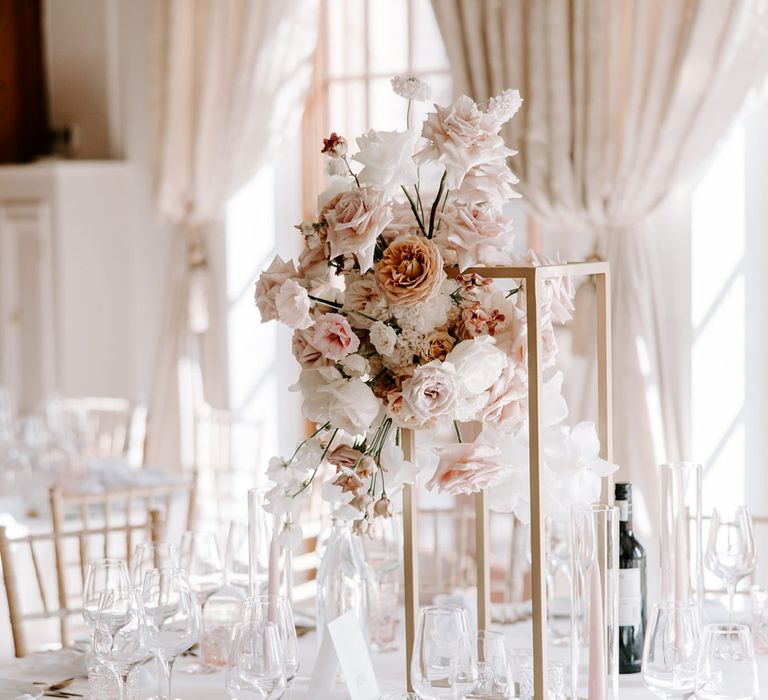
(625, 514)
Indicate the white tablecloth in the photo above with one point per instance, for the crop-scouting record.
(390, 670)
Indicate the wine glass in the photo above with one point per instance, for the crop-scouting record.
(201, 560)
(236, 555)
(731, 550)
(726, 666)
(277, 609)
(492, 668)
(670, 650)
(101, 576)
(171, 617)
(152, 555)
(444, 664)
(255, 665)
(119, 640)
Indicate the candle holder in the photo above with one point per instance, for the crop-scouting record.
(595, 602)
(682, 562)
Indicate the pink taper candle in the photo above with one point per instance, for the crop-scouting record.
(597, 679)
(273, 582)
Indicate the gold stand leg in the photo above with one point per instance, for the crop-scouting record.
(410, 557)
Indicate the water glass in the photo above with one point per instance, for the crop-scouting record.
(444, 664)
(731, 549)
(670, 652)
(384, 609)
(758, 596)
(521, 674)
(221, 614)
(492, 668)
(201, 560)
(255, 667)
(726, 666)
(236, 556)
(277, 609)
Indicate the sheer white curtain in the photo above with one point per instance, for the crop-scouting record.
(232, 76)
(622, 99)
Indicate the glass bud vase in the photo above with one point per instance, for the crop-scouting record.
(343, 579)
(595, 602)
(682, 562)
(259, 539)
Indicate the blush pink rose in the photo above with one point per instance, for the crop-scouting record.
(306, 354)
(465, 468)
(269, 284)
(333, 337)
(475, 234)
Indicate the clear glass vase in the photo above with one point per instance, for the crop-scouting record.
(259, 539)
(595, 602)
(343, 579)
(682, 562)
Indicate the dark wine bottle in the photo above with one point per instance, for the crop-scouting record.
(632, 593)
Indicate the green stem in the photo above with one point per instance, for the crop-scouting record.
(435, 204)
(511, 292)
(346, 162)
(458, 432)
(307, 483)
(306, 440)
(332, 304)
(408, 115)
(414, 210)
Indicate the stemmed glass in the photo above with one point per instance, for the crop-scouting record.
(731, 550)
(671, 649)
(201, 560)
(171, 617)
(255, 668)
(118, 639)
(102, 576)
(444, 664)
(151, 555)
(726, 666)
(277, 609)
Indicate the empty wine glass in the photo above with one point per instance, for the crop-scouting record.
(726, 667)
(255, 665)
(277, 609)
(671, 649)
(119, 640)
(731, 550)
(492, 668)
(171, 617)
(201, 560)
(101, 576)
(236, 555)
(444, 664)
(152, 555)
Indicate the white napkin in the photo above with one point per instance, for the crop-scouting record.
(24, 696)
(54, 665)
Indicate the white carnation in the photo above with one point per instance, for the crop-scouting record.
(355, 365)
(383, 338)
(293, 305)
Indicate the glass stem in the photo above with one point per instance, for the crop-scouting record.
(731, 588)
(168, 670)
(122, 684)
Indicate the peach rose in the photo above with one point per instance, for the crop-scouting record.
(410, 271)
(436, 346)
(269, 284)
(355, 222)
(333, 337)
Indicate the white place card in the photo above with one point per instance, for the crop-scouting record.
(344, 646)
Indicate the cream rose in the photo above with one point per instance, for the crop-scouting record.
(383, 338)
(269, 284)
(465, 468)
(432, 392)
(362, 294)
(355, 221)
(293, 305)
(333, 337)
(478, 363)
(352, 405)
(410, 271)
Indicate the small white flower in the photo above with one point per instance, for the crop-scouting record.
(355, 365)
(411, 88)
(290, 535)
(383, 338)
(503, 107)
(293, 305)
(336, 167)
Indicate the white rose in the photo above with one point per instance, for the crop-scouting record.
(432, 391)
(387, 158)
(352, 405)
(355, 365)
(383, 338)
(478, 362)
(293, 304)
(316, 404)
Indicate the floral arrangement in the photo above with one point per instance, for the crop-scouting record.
(386, 339)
